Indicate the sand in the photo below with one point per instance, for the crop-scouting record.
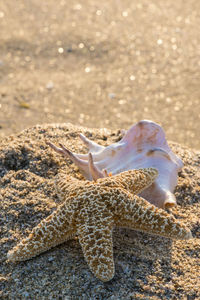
(97, 64)
(147, 267)
(101, 64)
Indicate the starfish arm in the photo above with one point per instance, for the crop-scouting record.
(133, 181)
(95, 238)
(50, 232)
(136, 181)
(136, 213)
(66, 185)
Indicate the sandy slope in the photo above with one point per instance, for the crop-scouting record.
(147, 267)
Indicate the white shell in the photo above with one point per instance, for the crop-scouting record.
(143, 145)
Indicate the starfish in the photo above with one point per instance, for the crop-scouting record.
(91, 210)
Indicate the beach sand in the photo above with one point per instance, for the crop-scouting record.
(147, 267)
(96, 64)
(101, 64)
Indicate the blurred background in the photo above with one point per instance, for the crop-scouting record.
(101, 64)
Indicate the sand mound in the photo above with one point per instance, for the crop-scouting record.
(146, 266)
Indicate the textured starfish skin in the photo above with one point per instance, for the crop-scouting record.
(91, 210)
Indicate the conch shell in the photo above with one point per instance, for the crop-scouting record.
(144, 145)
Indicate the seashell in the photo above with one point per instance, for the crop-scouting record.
(144, 145)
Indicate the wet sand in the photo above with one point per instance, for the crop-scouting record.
(101, 64)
